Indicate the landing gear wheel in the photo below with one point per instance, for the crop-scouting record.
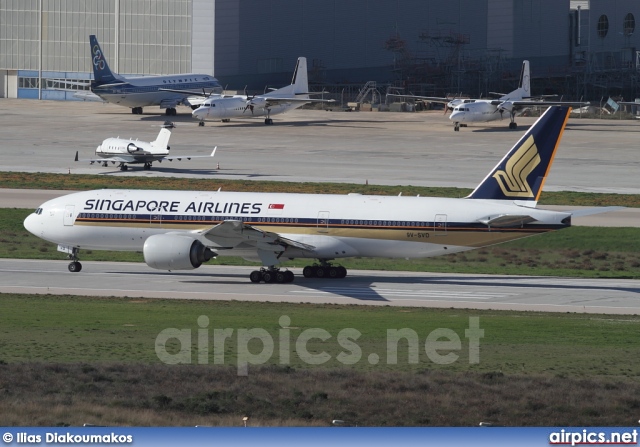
(75, 267)
(289, 276)
(281, 277)
(124, 167)
(147, 166)
(342, 272)
(268, 277)
(201, 124)
(456, 127)
(268, 121)
(255, 276)
(320, 272)
(333, 272)
(308, 272)
(513, 125)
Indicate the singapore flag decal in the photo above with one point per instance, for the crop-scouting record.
(276, 206)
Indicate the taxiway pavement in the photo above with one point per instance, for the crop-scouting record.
(315, 146)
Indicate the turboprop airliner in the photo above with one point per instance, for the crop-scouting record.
(278, 101)
(127, 151)
(466, 111)
(181, 230)
(142, 91)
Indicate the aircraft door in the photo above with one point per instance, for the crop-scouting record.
(68, 217)
(440, 225)
(323, 222)
(155, 219)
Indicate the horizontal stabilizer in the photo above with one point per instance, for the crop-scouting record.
(506, 220)
(596, 210)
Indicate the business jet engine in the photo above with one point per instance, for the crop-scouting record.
(175, 252)
(132, 148)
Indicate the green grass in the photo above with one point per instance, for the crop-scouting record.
(77, 329)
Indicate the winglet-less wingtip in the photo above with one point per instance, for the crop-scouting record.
(214, 151)
(76, 159)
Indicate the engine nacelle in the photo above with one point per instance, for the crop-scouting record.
(132, 148)
(175, 252)
(257, 102)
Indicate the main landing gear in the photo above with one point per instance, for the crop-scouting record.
(268, 121)
(170, 111)
(123, 167)
(324, 270)
(136, 110)
(271, 275)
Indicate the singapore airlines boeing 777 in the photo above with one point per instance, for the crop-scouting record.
(183, 229)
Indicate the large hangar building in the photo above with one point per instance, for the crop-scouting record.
(582, 48)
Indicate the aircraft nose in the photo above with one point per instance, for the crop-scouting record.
(198, 113)
(33, 224)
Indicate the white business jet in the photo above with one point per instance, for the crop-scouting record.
(180, 230)
(127, 151)
(466, 111)
(141, 91)
(291, 97)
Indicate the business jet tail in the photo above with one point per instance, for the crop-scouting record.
(521, 174)
(101, 71)
(162, 141)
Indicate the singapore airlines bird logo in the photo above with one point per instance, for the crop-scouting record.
(513, 180)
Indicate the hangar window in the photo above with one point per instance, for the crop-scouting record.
(603, 26)
(629, 24)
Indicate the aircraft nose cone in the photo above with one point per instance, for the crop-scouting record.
(198, 113)
(31, 224)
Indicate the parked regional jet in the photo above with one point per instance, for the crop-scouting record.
(142, 91)
(183, 229)
(278, 101)
(485, 110)
(127, 151)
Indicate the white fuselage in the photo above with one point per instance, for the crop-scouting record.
(119, 146)
(145, 91)
(478, 111)
(336, 226)
(227, 107)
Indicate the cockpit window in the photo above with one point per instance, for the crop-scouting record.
(38, 211)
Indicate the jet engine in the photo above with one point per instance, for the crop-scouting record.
(132, 148)
(175, 252)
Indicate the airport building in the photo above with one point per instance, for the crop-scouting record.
(580, 48)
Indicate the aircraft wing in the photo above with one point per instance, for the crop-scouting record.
(188, 157)
(525, 103)
(88, 96)
(113, 159)
(189, 92)
(426, 98)
(232, 233)
(271, 100)
(131, 159)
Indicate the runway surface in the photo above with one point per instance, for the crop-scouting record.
(497, 292)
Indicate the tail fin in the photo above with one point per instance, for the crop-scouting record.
(162, 141)
(521, 174)
(299, 82)
(524, 86)
(101, 71)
